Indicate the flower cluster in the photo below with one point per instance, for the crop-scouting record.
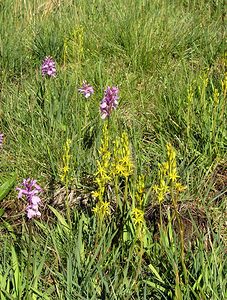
(30, 189)
(168, 177)
(102, 210)
(1, 139)
(138, 216)
(48, 67)
(86, 89)
(103, 175)
(109, 102)
(122, 159)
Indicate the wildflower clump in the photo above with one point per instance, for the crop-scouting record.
(30, 189)
(167, 176)
(49, 67)
(109, 102)
(102, 208)
(86, 89)
(110, 166)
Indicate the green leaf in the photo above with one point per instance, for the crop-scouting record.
(2, 211)
(152, 268)
(10, 229)
(60, 218)
(38, 293)
(155, 285)
(6, 187)
(16, 271)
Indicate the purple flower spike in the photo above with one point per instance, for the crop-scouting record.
(86, 89)
(109, 102)
(48, 67)
(30, 189)
(1, 139)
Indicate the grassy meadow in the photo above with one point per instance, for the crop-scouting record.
(133, 206)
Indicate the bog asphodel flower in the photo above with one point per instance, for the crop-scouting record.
(167, 176)
(122, 164)
(102, 209)
(138, 216)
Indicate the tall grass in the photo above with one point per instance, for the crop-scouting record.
(168, 60)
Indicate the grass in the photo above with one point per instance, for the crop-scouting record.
(168, 59)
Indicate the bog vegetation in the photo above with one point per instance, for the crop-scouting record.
(113, 167)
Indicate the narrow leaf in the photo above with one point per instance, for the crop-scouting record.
(6, 187)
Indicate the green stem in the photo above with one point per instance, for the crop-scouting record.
(126, 189)
(138, 270)
(180, 226)
(29, 254)
(67, 203)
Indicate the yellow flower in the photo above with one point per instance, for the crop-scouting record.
(167, 175)
(95, 194)
(122, 162)
(102, 209)
(179, 187)
(173, 175)
(64, 171)
(138, 216)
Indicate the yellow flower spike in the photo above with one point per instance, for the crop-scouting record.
(162, 183)
(103, 176)
(165, 167)
(64, 171)
(216, 96)
(78, 42)
(173, 175)
(106, 208)
(102, 210)
(120, 169)
(122, 163)
(140, 188)
(95, 194)
(190, 94)
(138, 216)
(141, 184)
(156, 188)
(224, 85)
(179, 187)
(167, 176)
(161, 196)
(111, 165)
(171, 153)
